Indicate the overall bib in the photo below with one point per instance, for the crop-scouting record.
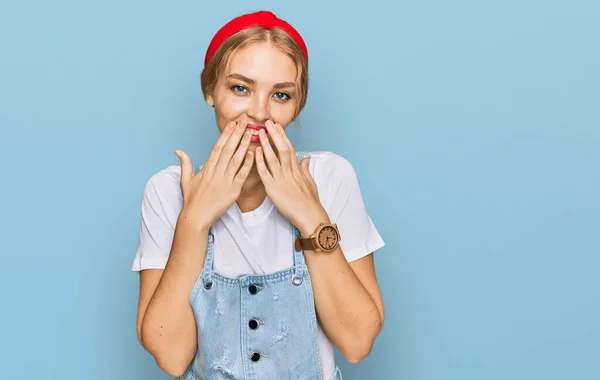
(256, 327)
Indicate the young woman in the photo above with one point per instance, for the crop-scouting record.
(256, 265)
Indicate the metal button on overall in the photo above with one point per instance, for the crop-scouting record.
(253, 324)
(296, 280)
(253, 289)
(255, 357)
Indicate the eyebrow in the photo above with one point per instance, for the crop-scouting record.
(252, 81)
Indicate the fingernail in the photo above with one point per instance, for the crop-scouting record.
(231, 125)
(177, 153)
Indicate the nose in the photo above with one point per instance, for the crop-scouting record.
(259, 108)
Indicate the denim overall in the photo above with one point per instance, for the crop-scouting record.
(256, 327)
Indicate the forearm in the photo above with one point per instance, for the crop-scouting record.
(347, 312)
(169, 327)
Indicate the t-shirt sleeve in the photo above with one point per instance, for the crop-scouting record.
(161, 205)
(345, 207)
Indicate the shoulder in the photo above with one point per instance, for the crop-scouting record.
(164, 186)
(325, 165)
(335, 178)
(165, 178)
(327, 161)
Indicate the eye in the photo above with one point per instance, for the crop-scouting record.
(239, 89)
(282, 96)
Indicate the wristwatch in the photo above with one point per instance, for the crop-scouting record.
(326, 238)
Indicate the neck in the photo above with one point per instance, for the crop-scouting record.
(253, 192)
(252, 183)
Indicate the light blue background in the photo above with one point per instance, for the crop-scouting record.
(473, 127)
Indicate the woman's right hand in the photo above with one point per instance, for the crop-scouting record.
(208, 194)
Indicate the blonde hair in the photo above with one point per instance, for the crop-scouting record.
(277, 37)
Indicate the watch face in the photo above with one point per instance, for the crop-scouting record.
(328, 237)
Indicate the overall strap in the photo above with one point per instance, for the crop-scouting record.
(298, 261)
(298, 253)
(207, 271)
(208, 261)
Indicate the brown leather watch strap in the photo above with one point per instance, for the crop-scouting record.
(307, 244)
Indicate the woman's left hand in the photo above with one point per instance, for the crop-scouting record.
(289, 185)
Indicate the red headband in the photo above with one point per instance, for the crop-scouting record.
(265, 19)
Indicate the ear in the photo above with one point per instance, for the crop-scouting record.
(210, 101)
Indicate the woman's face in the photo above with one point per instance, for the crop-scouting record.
(259, 84)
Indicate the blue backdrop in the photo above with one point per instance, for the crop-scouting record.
(473, 128)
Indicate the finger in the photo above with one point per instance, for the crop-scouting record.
(242, 174)
(239, 155)
(231, 146)
(187, 169)
(293, 156)
(283, 151)
(306, 173)
(269, 155)
(304, 166)
(297, 172)
(201, 171)
(261, 167)
(213, 157)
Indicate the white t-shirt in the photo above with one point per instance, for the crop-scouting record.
(260, 241)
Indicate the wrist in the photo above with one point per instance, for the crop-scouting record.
(309, 226)
(186, 221)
